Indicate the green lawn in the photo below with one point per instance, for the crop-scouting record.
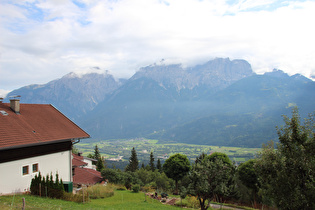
(121, 200)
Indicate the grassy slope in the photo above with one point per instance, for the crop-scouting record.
(121, 200)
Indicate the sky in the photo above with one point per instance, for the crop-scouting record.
(43, 40)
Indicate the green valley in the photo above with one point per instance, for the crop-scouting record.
(117, 152)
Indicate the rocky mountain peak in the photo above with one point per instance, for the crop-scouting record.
(217, 73)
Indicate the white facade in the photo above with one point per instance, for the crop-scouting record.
(12, 179)
(89, 163)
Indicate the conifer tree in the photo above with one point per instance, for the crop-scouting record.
(159, 166)
(100, 164)
(97, 154)
(133, 161)
(152, 166)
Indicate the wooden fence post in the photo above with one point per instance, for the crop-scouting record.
(23, 206)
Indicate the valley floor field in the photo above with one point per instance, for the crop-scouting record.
(117, 152)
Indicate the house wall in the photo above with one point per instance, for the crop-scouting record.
(12, 179)
(89, 163)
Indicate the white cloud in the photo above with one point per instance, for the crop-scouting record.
(44, 40)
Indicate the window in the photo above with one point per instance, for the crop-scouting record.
(25, 170)
(35, 167)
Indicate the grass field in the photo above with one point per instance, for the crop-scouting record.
(121, 200)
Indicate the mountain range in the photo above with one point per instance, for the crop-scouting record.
(221, 102)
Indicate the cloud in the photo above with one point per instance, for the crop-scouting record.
(43, 40)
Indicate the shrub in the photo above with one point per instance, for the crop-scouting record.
(193, 202)
(120, 187)
(47, 187)
(136, 188)
(147, 189)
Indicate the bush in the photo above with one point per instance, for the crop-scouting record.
(147, 189)
(136, 188)
(46, 186)
(120, 187)
(193, 202)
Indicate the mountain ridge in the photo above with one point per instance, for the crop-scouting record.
(166, 101)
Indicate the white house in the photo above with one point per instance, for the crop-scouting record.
(33, 138)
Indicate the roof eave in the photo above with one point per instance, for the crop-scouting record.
(42, 143)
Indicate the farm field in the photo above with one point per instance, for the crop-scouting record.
(117, 152)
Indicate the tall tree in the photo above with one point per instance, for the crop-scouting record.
(100, 164)
(133, 161)
(159, 165)
(176, 167)
(288, 173)
(152, 166)
(97, 154)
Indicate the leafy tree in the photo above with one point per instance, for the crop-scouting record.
(249, 177)
(113, 175)
(208, 178)
(230, 190)
(176, 167)
(152, 166)
(219, 155)
(162, 182)
(133, 161)
(288, 173)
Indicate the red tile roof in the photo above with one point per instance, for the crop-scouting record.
(36, 124)
(77, 161)
(86, 176)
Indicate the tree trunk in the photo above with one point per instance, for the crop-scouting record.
(202, 204)
(176, 187)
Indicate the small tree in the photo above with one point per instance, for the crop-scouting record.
(176, 167)
(133, 161)
(208, 178)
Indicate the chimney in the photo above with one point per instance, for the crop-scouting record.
(15, 105)
(1, 99)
